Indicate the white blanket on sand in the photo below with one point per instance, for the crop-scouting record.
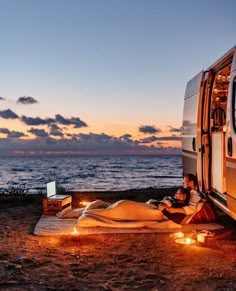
(52, 225)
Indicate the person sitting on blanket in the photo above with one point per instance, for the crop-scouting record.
(131, 210)
(189, 182)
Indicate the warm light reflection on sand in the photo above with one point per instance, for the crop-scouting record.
(84, 203)
(75, 232)
(185, 241)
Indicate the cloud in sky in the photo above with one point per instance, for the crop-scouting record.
(53, 138)
(62, 120)
(149, 139)
(169, 138)
(149, 129)
(38, 132)
(4, 130)
(76, 121)
(26, 100)
(11, 134)
(126, 137)
(15, 134)
(55, 130)
(152, 139)
(8, 114)
(174, 129)
(36, 120)
(81, 143)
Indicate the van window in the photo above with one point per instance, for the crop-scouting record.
(219, 99)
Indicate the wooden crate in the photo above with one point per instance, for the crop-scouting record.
(56, 203)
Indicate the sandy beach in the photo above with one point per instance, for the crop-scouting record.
(108, 262)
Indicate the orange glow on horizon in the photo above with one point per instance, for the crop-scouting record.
(138, 143)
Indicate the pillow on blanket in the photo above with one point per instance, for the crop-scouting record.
(71, 213)
(206, 214)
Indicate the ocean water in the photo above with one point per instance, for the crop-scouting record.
(93, 173)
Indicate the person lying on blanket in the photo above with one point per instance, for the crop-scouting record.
(131, 210)
(119, 214)
(181, 200)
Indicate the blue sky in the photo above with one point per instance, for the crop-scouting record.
(105, 77)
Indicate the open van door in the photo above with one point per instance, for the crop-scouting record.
(222, 138)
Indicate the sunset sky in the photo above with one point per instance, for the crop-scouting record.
(103, 76)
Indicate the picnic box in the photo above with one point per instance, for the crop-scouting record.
(56, 203)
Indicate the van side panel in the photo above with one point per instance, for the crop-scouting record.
(189, 126)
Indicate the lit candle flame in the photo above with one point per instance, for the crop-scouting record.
(188, 240)
(84, 203)
(75, 232)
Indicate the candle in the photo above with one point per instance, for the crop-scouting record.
(75, 232)
(202, 238)
(188, 241)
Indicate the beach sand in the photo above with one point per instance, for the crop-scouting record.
(108, 262)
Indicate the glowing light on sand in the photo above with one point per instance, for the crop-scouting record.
(179, 234)
(84, 203)
(75, 232)
(185, 241)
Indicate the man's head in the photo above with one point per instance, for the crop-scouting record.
(190, 181)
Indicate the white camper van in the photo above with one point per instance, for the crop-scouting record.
(209, 131)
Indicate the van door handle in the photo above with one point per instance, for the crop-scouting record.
(230, 147)
(194, 144)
